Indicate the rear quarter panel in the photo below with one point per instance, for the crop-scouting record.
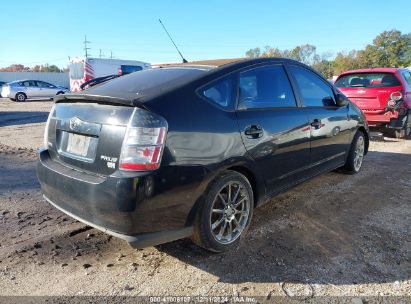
(202, 141)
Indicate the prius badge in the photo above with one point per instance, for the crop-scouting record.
(74, 123)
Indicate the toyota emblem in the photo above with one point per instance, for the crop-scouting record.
(74, 123)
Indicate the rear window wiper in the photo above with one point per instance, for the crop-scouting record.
(98, 80)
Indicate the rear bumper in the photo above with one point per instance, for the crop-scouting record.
(121, 205)
(380, 118)
(137, 241)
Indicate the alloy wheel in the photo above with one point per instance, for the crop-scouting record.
(230, 212)
(21, 97)
(359, 153)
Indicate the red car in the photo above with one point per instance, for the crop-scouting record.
(383, 94)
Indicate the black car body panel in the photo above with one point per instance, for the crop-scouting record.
(203, 140)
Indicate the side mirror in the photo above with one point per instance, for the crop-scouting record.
(341, 100)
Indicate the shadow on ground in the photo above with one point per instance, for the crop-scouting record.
(335, 229)
(21, 118)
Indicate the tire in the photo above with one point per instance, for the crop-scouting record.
(20, 97)
(355, 157)
(403, 133)
(228, 217)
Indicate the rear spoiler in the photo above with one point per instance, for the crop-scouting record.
(65, 98)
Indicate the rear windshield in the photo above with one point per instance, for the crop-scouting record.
(368, 80)
(147, 80)
(127, 69)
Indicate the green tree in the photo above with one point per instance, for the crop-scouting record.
(305, 53)
(54, 68)
(389, 49)
(324, 67)
(14, 68)
(346, 61)
(253, 53)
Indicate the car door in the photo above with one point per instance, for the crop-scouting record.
(274, 129)
(329, 124)
(46, 90)
(31, 89)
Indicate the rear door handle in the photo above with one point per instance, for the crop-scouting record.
(253, 131)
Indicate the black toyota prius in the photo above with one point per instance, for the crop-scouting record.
(190, 150)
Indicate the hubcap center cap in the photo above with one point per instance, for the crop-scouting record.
(229, 213)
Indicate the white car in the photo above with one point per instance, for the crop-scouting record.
(20, 90)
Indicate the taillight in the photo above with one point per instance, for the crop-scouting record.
(396, 96)
(143, 143)
(391, 103)
(46, 131)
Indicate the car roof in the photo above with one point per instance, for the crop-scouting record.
(372, 70)
(21, 80)
(210, 64)
(210, 70)
(227, 62)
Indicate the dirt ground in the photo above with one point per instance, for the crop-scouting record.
(336, 235)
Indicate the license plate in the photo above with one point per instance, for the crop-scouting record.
(78, 144)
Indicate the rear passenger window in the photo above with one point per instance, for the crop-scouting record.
(29, 83)
(265, 87)
(314, 91)
(220, 92)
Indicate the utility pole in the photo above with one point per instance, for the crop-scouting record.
(85, 46)
(111, 54)
(100, 54)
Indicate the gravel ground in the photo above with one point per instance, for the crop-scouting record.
(336, 235)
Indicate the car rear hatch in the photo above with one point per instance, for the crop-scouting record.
(370, 99)
(86, 132)
(369, 91)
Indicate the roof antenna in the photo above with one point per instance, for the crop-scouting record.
(184, 60)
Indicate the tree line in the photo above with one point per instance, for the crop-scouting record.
(37, 68)
(388, 49)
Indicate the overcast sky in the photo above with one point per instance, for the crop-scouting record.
(38, 32)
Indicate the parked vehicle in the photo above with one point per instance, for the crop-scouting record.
(175, 152)
(82, 69)
(21, 90)
(383, 94)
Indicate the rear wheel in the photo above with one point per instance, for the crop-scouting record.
(355, 157)
(404, 133)
(225, 213)
(21, 97)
